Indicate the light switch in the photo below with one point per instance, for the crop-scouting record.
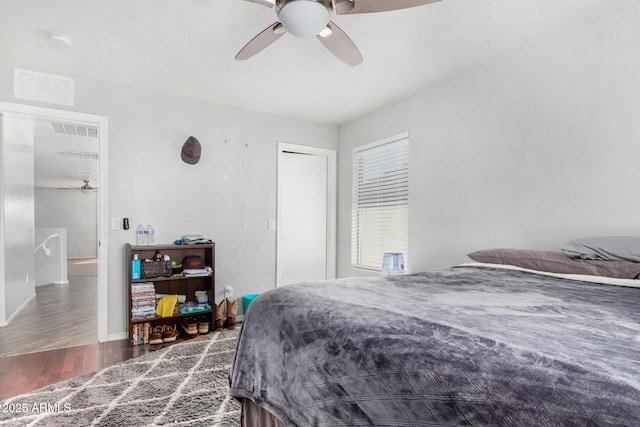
(272, 224)
(115, 223)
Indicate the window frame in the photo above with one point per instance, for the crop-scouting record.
(401, 221)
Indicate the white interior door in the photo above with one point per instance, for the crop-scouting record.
(304, 217)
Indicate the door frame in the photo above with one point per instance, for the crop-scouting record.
(331, 202)
(101, 122)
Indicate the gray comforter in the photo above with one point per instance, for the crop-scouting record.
(466, 346)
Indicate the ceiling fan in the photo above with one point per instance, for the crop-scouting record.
(307, 18)
(85, 188)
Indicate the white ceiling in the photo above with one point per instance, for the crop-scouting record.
(54, 171)
(186, 47)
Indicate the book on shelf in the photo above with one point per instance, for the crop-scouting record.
(145, 312)
(137, 288)
(143, 301)
(140, 333)
(142, 285)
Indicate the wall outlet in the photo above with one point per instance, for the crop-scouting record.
(228, 291)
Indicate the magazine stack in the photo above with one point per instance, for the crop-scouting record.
(143, 301)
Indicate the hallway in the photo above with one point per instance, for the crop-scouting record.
(59, 316)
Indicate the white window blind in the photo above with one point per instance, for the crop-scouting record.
(380, 211)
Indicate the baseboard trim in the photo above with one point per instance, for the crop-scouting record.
(117, 337)
(61, 282)
(15, 313)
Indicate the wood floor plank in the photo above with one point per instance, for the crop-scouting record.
(23, 373)
(31, 360)
(61, 315)
(53, 338)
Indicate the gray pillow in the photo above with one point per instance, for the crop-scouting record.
(557, 262)
(604, 248)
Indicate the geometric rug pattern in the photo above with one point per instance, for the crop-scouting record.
(185, 384)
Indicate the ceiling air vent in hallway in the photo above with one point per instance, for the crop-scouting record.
(70, 129)
(43, 87)
(80, 155)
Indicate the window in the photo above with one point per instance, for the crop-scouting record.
(380, 211)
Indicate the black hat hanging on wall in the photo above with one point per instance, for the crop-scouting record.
(191, 150)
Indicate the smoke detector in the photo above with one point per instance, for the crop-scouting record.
(60, 40)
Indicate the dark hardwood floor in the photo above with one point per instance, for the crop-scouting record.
(27, 372)
(55, 336)
(59, 316)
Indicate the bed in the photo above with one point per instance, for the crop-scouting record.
(477, 344)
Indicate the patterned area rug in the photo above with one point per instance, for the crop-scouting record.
(183, 385)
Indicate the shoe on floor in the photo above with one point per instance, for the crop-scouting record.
(232, 310)
(170, 333)
(155, 337)
(203, 324)
(220, 315)
(190, 326)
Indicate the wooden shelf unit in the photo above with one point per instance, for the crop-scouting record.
(180, 285)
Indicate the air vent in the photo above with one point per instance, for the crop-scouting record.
(70, 129)
(42, 87)
(79, 155)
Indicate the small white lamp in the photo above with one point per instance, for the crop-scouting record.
(392, 263)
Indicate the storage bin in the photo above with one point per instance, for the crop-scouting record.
(152, 269)
(246, 300)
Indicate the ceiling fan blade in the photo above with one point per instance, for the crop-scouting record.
(339, 43)
(268, 3)
(261, 41)
(370, 6)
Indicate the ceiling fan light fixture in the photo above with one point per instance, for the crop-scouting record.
(304, 18)
(326, 32)
(279, 29)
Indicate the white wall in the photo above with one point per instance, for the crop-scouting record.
(149, 183)
(73, 210)
(50, 256)
(16, 157)
(3, 310)
(531, 150)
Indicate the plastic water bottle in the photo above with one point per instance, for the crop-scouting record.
(141, 238)
(151, 235)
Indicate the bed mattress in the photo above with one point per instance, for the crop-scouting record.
(464, 346)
